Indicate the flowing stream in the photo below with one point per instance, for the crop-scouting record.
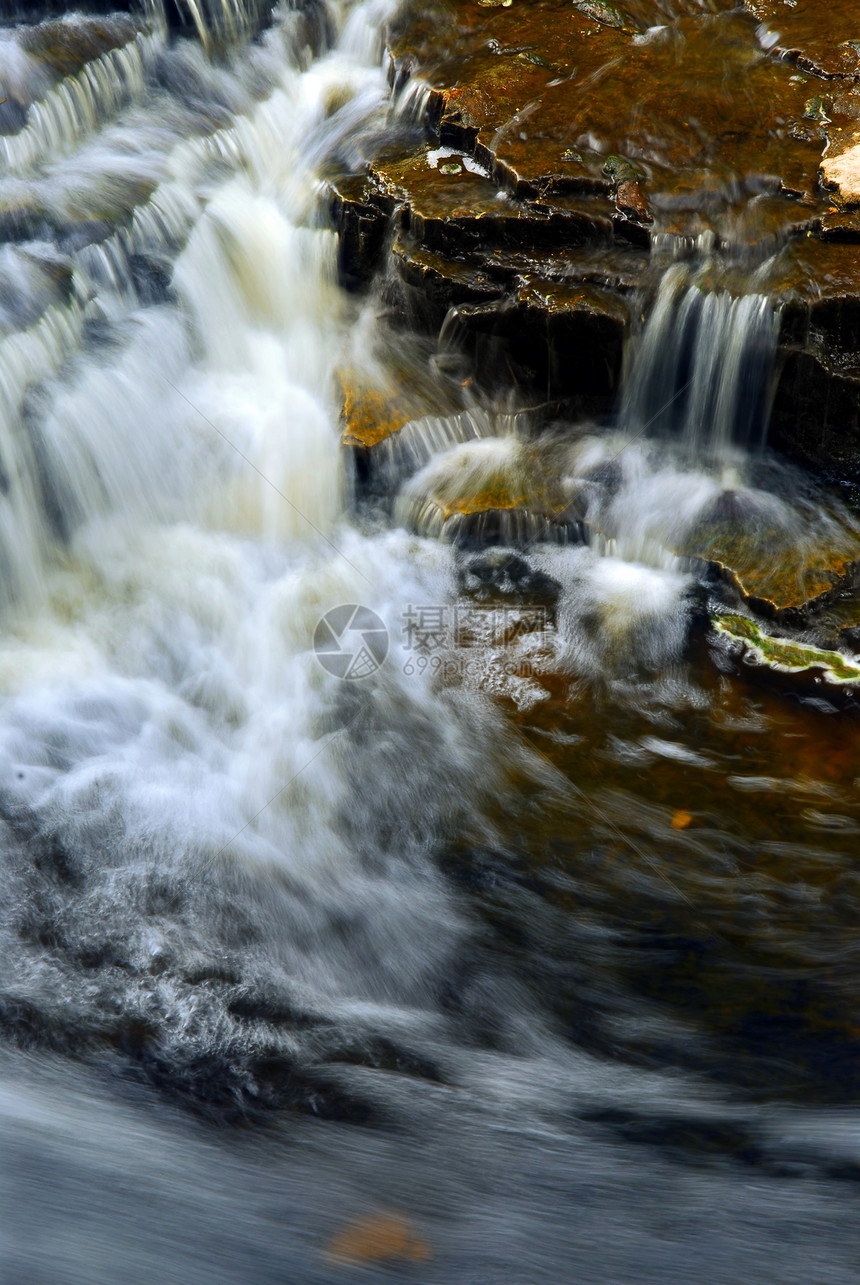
(279, 950)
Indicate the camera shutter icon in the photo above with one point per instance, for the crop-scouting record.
(351, 641)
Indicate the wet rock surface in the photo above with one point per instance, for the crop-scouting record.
(571, 151)
(430, 914)
(819, 39)
(63, 47)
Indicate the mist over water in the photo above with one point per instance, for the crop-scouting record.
(277, 950)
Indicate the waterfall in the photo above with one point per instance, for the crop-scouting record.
(79, 105)
(220, 22)
(700, 371)
(491, 901)
(214, 293)
(681, 475)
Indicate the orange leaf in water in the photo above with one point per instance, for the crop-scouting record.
(681, 820)
(377, 1237)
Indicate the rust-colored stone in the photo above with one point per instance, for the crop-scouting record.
(775, 575)
(570, 140)
(631, 202)
(376, 406)
(841, 170)
(378, 1238)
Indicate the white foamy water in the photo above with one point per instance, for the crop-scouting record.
(79, 105)
(170, 536)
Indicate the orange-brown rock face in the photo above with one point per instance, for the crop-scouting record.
(553, 98)
(572, 148)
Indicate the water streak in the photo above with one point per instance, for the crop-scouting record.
(79, 105)
(701, 369)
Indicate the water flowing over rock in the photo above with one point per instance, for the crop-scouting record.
(529, 229)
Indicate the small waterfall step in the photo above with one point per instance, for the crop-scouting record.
(683, 479)
(702, 369)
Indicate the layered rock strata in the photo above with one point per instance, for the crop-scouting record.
(571, 150)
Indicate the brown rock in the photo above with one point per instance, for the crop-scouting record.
(631, 202)
(822, 38)
(565, 341)
(378, 1238)
(361, 220)
(841, 225)
(842, 171)
(527, 223)
(65, 47)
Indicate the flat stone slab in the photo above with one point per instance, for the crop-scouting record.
(541, 94)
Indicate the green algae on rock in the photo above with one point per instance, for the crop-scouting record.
(786, 654)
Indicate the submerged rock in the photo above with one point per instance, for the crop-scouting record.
(780, 568)
(375, 1238)
(822, 40)
(505, 576)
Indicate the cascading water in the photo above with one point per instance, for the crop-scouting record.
(169, 542)
(702, 368)
(431, 903)
(219, 21)
(681, 475)
(78, 106)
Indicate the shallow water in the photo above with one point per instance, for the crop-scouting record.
(542, 933)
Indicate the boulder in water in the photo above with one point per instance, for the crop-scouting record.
(775, 559)
(493, 491)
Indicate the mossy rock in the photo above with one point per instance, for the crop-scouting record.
(787, 655)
